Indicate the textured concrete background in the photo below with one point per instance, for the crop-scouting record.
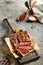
(12, 9)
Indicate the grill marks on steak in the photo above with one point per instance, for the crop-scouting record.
(21, 42)
(19, 37)
(22, 36)
(27, 37)
(13, 38)
(24, 49)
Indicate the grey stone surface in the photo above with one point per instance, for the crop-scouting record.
(12, 9)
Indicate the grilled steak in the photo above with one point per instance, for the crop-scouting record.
(21, 42)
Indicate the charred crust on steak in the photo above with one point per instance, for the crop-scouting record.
(21, 42)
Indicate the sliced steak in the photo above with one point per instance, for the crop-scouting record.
(21, 42)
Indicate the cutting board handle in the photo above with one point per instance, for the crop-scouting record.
(5, 20)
